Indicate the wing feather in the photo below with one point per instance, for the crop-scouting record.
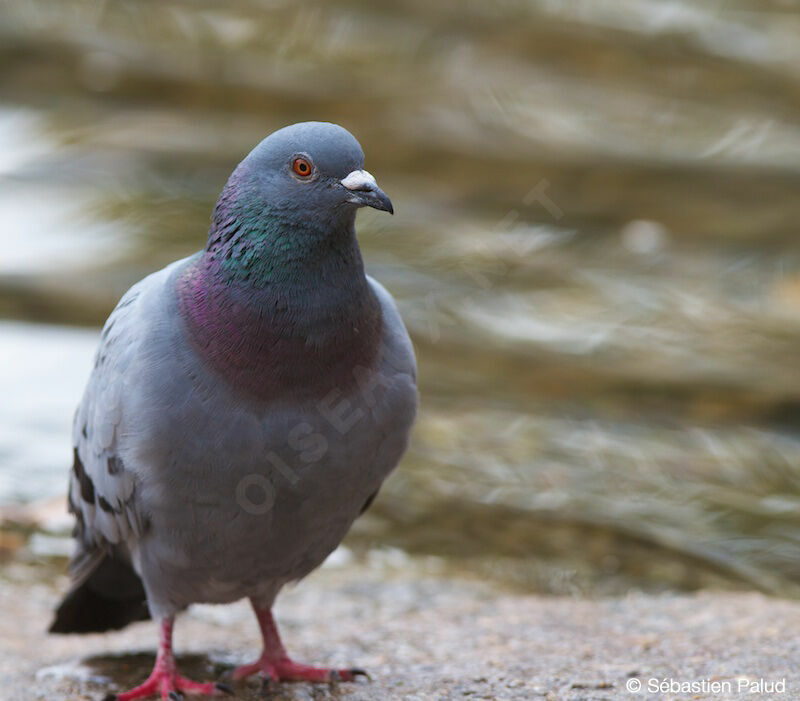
(102, 490)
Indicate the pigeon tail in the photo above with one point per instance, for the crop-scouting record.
(110, 598)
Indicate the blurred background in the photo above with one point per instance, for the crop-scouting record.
(596, 250)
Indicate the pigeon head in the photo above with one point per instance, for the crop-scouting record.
(314, 167)
(291, 204)
(307, 177)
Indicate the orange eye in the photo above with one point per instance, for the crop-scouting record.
(302, 167)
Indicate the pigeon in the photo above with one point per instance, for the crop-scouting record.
(245, 405)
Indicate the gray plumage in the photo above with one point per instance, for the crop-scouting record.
(209, 491)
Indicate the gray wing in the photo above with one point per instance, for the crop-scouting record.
(105, 494)
(400, 353)
(102, 492)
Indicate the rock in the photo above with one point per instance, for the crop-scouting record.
(420, 636)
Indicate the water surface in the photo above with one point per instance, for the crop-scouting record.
(595, 249)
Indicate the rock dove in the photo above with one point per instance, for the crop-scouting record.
(245, 406)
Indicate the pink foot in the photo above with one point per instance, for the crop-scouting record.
(285, 670)
(170, 686)
(275, 665)
(165, 680)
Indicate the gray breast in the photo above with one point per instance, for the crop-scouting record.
(243, 496)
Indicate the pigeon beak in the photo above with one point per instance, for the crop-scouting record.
(364, 191)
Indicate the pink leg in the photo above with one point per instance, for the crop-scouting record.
(276, 665)
(164, 679)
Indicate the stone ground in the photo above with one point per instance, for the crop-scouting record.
(422, 636)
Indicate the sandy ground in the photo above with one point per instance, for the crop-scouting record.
(424, 636)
